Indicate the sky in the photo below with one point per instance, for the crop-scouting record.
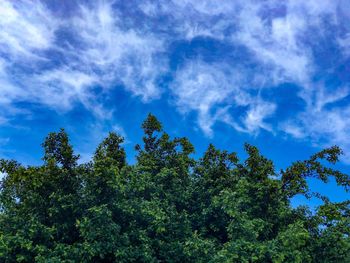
(272, 73)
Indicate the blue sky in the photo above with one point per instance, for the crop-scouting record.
(272, 73)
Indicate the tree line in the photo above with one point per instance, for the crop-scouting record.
(168, 206)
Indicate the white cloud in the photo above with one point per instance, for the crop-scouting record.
(324, 122)
(276, 42)
(293, 129)
(24, 28)
(106, 48)
(254, 119)
(123, 55)
(37, 65)
(281, 45)
(324, 98)
(275, 32)
(199, 87)
(324, 127)
(211, 89)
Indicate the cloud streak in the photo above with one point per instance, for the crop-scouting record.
(259, 48)
(57, 62)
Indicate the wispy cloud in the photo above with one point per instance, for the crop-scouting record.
(57, 61)
(98, 46)
(118, 54)
(324, 122)
(212, 89)
(26, 29)
(278, 35)
(200, 87)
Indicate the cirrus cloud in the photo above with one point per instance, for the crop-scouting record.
(238, 53)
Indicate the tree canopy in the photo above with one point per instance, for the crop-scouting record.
(168, 206)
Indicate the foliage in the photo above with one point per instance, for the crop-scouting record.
(168, 207)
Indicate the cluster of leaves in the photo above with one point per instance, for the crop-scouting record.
(168, 207)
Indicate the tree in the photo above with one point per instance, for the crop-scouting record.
(168, 207)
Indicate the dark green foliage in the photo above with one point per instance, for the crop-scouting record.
(168, 207)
